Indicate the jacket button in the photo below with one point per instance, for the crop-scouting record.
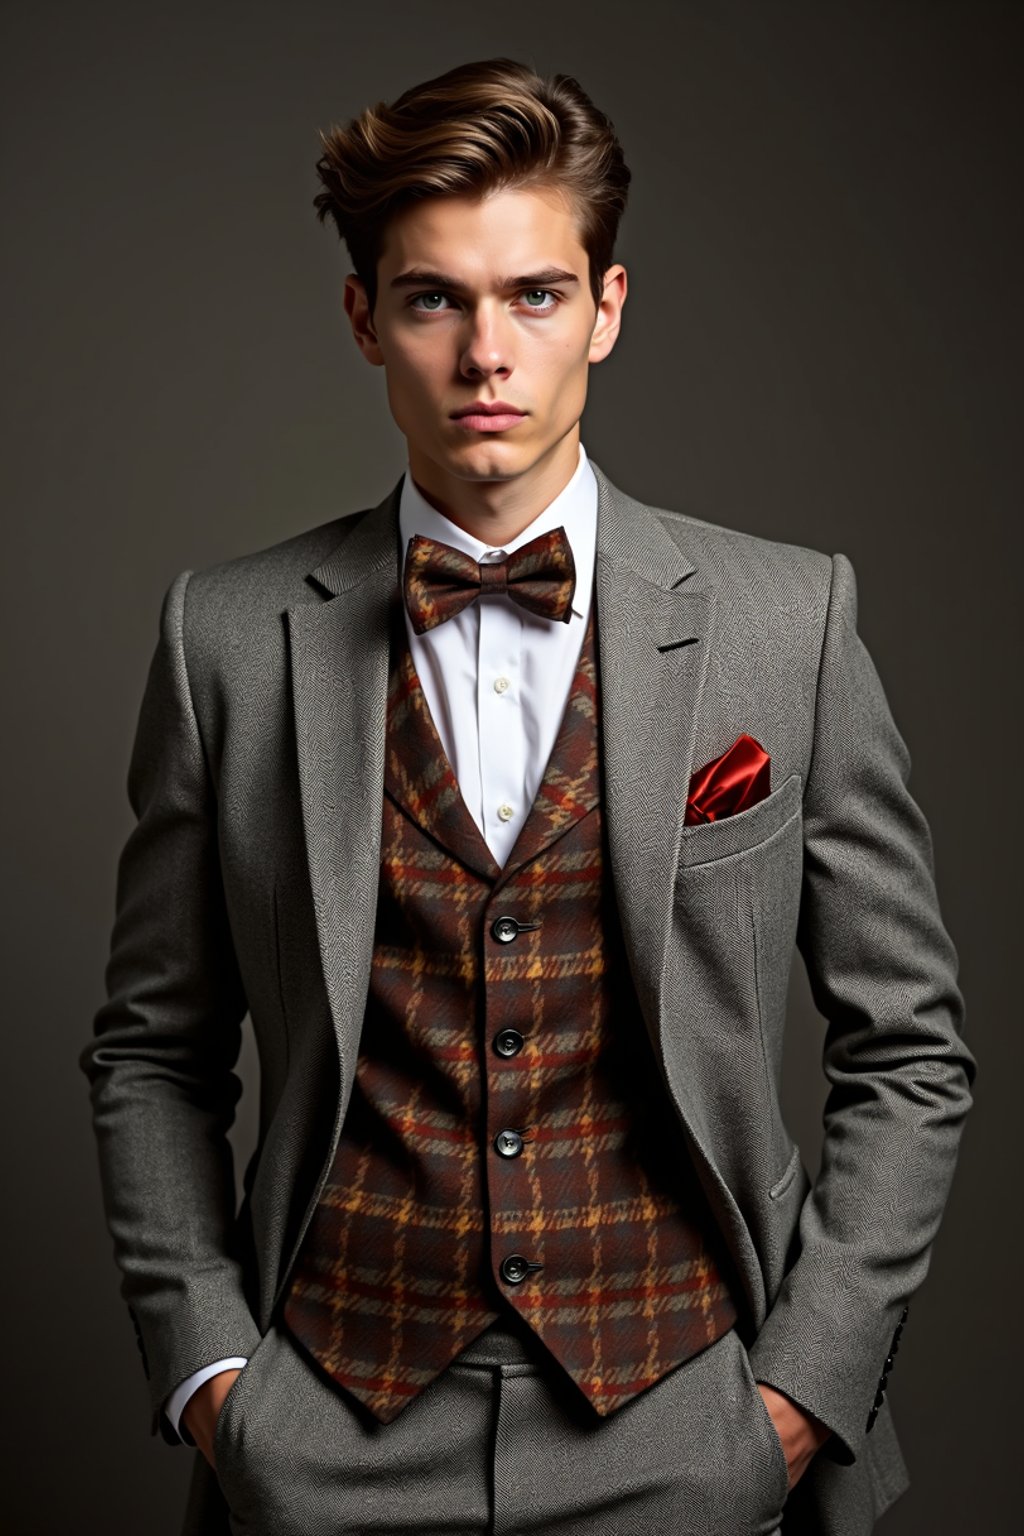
(508, 1143)
(508, 1042)
(515, 1268)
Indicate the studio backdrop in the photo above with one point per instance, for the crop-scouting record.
(821, 344)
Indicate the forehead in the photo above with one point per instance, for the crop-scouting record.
(481, 239)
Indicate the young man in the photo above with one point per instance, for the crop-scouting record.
(500, 806)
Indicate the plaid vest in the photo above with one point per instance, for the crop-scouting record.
(509, 1143)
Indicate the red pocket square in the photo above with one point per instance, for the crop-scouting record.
(730, 783)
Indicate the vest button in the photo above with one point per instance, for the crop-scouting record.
(508, 1042)
(505, 929)
(515, 1268)
(509, 1143)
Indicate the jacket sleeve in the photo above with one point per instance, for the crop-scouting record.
(164, 1044)
(882, 971)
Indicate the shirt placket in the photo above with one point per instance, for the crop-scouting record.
(500, 723)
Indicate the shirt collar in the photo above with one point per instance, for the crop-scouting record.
(574, 509)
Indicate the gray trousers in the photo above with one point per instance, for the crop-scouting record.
(502, 1443)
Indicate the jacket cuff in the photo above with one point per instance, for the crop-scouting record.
(835, 1367)
(173, 1348)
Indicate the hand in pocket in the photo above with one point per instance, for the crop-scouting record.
(800, 1433)
(203, 1410)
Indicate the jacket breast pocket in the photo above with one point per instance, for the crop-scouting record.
(709, 840)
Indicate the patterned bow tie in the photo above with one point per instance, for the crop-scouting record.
(440, 581)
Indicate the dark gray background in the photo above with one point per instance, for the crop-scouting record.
(822, 343)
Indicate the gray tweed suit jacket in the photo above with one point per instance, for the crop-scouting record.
(249, 885)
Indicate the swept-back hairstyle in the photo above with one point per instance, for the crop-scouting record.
(486, 126)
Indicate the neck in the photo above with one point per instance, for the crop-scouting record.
(497, 510)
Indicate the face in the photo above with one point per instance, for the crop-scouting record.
(486, 300)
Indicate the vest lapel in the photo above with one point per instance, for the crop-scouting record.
(570, 786)
(417, 773)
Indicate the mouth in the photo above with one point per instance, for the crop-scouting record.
(481, 416)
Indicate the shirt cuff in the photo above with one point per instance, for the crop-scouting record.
(175, 1404)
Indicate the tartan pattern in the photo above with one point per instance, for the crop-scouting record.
(399, 1267)
(441, 580)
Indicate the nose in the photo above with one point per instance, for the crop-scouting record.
(488, 346)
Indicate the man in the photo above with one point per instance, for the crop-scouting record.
(500, 806)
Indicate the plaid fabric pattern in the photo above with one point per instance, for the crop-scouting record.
(440, 580)
(400, 1266)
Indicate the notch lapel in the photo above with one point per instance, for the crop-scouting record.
(339, 655)
(654, 639)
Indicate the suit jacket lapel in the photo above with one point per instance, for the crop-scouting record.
(654, 636)
(339, 654)
(655, 633)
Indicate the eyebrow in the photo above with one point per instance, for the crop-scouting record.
(418, 278)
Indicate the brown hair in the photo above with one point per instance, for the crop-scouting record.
(480, 127)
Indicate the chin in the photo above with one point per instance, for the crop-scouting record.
(490, 460)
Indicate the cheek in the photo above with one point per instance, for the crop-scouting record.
(404, 366)
(410, 377)
(564, 360)
(565, 371)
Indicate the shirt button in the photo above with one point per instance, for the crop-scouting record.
(500, 684)
(508, 1143)
(505, 812)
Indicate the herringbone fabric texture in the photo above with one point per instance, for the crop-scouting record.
(400, 1265)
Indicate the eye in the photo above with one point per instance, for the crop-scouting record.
(531, 292)
(435, 302)
(430, 310)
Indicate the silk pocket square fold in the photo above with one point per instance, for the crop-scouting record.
(733, 782)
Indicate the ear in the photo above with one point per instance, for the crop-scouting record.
(357, 307)
(609, 313)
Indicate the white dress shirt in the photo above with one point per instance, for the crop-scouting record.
(496, 679)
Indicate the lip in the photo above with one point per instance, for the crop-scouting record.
(487, 408)
(488, 423)
(488, 416)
